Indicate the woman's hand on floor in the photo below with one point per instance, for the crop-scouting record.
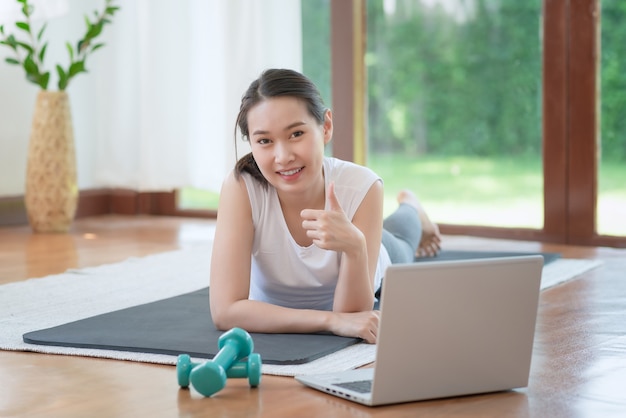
(362, 325)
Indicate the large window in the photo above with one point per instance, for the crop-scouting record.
(316, 45)
(612, 167)
(454, 93)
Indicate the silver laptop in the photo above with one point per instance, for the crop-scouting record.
(446, 329)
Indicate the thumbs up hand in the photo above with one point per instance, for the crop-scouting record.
(331, 199)
(330, 228)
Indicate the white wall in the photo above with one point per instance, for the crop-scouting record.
(17, 100)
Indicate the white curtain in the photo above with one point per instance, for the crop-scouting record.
(11, 10)
(169, 84)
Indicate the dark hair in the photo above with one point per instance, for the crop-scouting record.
(275, 83)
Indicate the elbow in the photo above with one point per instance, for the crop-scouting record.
(221, 326)
(225, 317)
(219, 317)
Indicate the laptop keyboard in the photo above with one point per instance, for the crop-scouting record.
(361, 386)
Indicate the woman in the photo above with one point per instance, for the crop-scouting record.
(297, 247)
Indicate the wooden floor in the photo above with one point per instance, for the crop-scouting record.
(579, 358)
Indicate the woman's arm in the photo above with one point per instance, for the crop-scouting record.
(230, 281)
(358, 241)
(355, 288)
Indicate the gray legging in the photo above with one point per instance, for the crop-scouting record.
(402, 232)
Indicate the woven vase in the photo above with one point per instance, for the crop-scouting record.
(51, 183)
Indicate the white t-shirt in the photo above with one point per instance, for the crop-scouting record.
(287, 274)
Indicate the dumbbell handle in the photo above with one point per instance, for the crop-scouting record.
(250, 369)
(238, 370)
(227, 355)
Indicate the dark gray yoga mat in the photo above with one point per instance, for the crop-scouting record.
(448, 255)
(183, 325)
(180, 325)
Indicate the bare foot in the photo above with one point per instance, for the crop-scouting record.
(430, 243)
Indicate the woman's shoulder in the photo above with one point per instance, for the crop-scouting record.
(233, 187)
(234, 180)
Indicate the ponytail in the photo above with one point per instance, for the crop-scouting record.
(247, 164)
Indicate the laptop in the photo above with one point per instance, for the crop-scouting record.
(447, 328)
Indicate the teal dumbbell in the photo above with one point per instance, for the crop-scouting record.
(210, 377)
(250, 369)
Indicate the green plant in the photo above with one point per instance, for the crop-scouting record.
(30, 55)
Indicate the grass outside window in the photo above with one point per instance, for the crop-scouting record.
(473, 190)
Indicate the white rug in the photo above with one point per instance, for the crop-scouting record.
(77, 294)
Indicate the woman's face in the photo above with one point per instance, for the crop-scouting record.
(288, 143)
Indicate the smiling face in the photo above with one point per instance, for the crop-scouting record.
(287, 143)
